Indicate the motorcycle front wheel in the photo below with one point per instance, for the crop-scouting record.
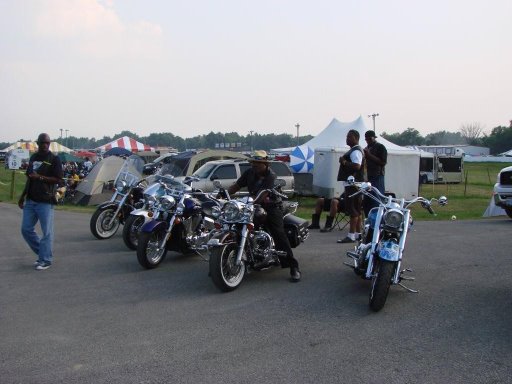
(100, 224)
(150, 250)
(381, 281)
(131, 230)
(226, 275)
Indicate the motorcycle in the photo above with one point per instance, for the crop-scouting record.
(379, 252)
(149, 211)
(184, 223)
(242, 243)
(128, 187)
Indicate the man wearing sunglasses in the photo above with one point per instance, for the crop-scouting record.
(44, 172)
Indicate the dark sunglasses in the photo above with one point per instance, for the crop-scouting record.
(43, 142)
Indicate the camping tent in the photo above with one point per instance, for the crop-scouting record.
(32, 146)
(94, 188)
(402, 169)
(117, 151)
(65, 157)
(127, 143)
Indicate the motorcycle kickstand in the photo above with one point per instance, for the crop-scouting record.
(408, 278)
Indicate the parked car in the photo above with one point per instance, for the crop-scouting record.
(228, 171)
(503, 190)
(186, 163)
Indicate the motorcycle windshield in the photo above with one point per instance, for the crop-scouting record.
(130, 172)
(166, 175)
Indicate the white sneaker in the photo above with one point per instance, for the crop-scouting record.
(42, 267)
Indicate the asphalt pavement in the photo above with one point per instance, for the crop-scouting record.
(97, 317)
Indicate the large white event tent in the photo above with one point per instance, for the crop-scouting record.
(402, 170)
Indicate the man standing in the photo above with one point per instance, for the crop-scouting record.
(376, 157)
(352, 164)
(43, 173)
(257, 178)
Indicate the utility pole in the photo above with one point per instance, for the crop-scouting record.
(67, 130)
(373, 116)
(250, 133)
(297, 126)
(61, 135)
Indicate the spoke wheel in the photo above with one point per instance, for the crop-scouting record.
(150, 250)
(226, 275)
(102, 226)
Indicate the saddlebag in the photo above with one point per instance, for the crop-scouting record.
(296, 229)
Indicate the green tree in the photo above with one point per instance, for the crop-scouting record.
(410, 136)
(499, 140)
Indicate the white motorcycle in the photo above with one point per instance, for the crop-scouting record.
(378, 254)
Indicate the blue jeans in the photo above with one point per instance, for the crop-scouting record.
(32, 213)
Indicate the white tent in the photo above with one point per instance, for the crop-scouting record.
(32, 146)
(402, 169)
(508, 153)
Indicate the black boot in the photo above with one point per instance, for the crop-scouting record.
(328, 224)
(315, 221)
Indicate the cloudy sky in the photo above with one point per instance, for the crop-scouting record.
(97, 67)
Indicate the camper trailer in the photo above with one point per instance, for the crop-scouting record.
(441, 168)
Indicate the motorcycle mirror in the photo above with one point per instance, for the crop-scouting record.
(351, 180)
(443, 200)
(217, 184)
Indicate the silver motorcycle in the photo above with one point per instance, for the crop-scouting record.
(379, 252)
(128, 187)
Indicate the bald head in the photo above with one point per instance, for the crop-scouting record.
(43, 142)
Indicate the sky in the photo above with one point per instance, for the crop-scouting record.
(96, 68)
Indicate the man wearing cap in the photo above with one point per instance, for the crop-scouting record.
(44, 172)
(376, 157)
(257, 178)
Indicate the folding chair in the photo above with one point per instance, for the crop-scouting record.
(341, 220)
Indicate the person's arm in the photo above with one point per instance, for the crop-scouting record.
(233, 189)
(21, 201)
(376, 159)
(356, 159)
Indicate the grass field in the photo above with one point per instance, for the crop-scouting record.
(467, 200)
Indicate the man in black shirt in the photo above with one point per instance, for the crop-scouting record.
(376, 156)
(257, 178)
(44, 172)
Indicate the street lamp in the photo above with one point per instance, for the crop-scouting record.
(297, 126)
(373, 116)
(67, 130)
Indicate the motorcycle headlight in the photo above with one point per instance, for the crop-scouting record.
(393, 218)
(121, 185)
(167, 202)
(231, 211)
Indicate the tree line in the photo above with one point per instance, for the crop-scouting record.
(499, 140)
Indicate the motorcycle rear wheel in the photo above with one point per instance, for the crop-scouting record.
(149, 252)
(131, 230)
(381, 281)
(99, 223)
(226, 275)
(509, 212)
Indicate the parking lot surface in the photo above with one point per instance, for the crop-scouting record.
(97, 317)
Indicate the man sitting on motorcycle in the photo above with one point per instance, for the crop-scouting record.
(257, 178)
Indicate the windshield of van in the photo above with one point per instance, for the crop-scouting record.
(204, 171)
